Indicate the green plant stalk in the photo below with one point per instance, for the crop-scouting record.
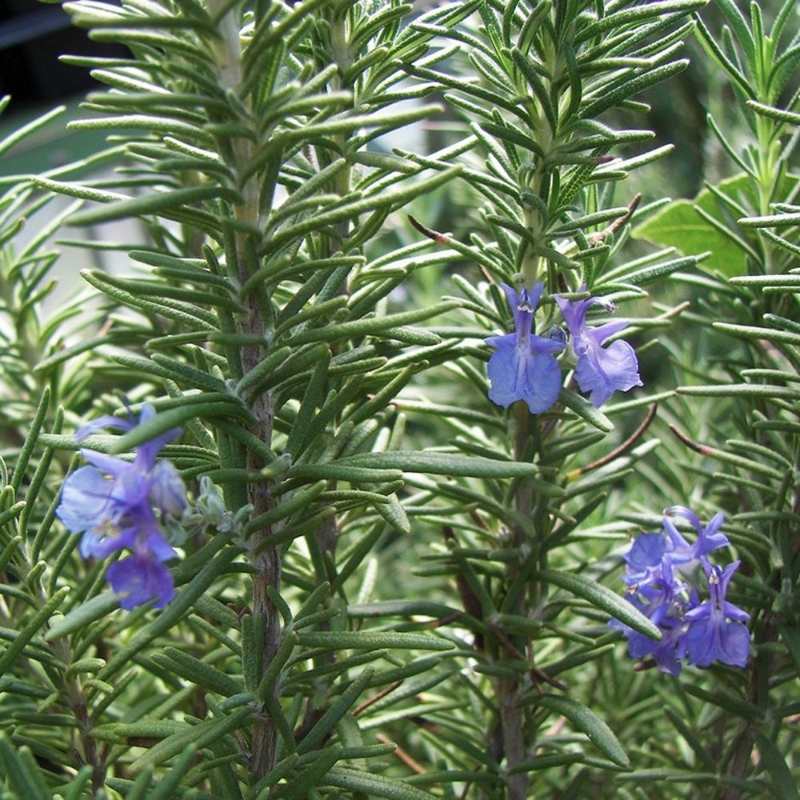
(240, 256)
(509, 689)
(77, 701)
(768, 170)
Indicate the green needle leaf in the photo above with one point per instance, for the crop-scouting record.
(589, 723)
(601, 597)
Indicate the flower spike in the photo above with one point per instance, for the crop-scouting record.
(661, 576)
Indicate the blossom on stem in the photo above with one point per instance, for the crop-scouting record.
(523, 366)
(600, 371)
(139, 578)
(716, 628)
(662, 574)
(650, 551)
(708, 538)
(120, 505)
(662, 603)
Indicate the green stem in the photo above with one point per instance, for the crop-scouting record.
(241, 257)
(508, 689)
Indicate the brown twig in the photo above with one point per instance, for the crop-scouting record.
(703, 449)
(435, 236)
(402, 755)
(374, 699)
(617, 224)
(621, 450)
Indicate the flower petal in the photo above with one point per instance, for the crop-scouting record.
(518, 373)
(167, 490)
(602, 371)
(85, 498)
(138, 579)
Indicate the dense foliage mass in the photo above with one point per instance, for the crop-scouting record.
(415, 445)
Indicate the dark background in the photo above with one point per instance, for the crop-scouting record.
(32, 37)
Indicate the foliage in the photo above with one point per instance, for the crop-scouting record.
(388, 585)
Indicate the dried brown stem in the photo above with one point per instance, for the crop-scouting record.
(622, 449)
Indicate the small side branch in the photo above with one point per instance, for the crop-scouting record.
(622, 449)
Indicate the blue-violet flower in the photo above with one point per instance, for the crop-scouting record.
(117, 504)
(716, 628)
(600, 371)
(523, 366)
(662, 574)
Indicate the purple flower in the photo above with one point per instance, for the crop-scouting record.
(716, 628)
(523, 366)
(139, 578)
(645, 558)
(661, 575)
(709, 539)
(117, 504)
(663, 601)
(600, 371)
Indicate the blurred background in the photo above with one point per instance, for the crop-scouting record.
(33, 35)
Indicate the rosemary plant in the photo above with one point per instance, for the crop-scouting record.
(329, 491)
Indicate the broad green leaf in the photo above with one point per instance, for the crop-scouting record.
(200, 673)
(372, 640)
(372, 785)
(729, 390)
(394, 513)
(547, 762)
(199, 735)
(402, 608)
(30, 442)
(644, 776)
(84, 614)
(682, 226)
(120, 732)
(584, 409)
(436, 463)
(192, 407)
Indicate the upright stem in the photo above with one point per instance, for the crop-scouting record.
(259, 495)
(88, 752)
(242, 257)
(513, 738)
(508, 689)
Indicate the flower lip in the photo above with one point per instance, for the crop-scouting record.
(140, 578)
(717, 631)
